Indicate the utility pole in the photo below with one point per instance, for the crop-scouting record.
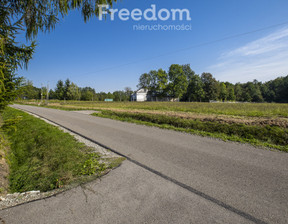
(47, 94)
(41, 93)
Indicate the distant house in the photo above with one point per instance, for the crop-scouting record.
(142, 95)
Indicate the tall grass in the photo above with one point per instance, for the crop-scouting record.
(234, 109)
(273, 136)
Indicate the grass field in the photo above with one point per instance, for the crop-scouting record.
(234, 109)
(258, 124)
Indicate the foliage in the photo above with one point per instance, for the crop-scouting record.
(223, 92)
(210, 86)
(59, 91)
(144, 81)
(184, 83)
(231, 93)
(87, 94)
(73, 92)
(18, 16)
(189, 73)
(26, 90)
(92, 165)
(178, 81)
(12, 55)
(195, 90)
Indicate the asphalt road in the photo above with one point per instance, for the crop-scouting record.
(168, 177)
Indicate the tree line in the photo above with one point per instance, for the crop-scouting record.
(67, 90)
(181, 82)
(30, 17)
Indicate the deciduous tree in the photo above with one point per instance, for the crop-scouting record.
(178, 81)
(30, 17)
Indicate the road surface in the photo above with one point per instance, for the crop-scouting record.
(168, 177)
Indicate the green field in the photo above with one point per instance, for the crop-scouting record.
(257, 124)
(235, 109)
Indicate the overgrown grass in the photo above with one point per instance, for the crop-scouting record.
(233, 109)
(4, 168)
(273, 135)
(42, 157)
(269, 136)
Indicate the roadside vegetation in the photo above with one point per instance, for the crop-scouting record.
(272, 136)
(42, 157)
(258, 124)
(234, 109)
(4, 168)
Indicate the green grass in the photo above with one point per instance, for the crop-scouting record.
(42, 157)
(233, 109)
(4, 168)
(268, 136)
(272, 135)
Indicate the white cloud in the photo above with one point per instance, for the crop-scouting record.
(263, 59)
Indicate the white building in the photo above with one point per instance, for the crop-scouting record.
(140, 95)
(143, 95)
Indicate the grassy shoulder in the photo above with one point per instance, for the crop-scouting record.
(4, 168)
(267, 135)
(44, 158)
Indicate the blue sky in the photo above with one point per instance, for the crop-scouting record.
(110, 55)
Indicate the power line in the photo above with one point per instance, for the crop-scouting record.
(188, 48)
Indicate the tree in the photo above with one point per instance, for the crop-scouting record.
(128, 93)
(252, 92)
(66, 89)
(144, 81)
(88, 94)
(162, 80)
(158, 82)
(153, 87)
(195, 90)
(223, 92)
(102, 96)
(12, 56)
(30, 17)
(59, 91)
(73, 92)
(189, 73)
(210, 86)
(28, 91)
(43, 93)
(119, 96)
(231, 94)
(109, 96)
(178, 81)
(52, 94)
(280, 88)
(238, 92)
